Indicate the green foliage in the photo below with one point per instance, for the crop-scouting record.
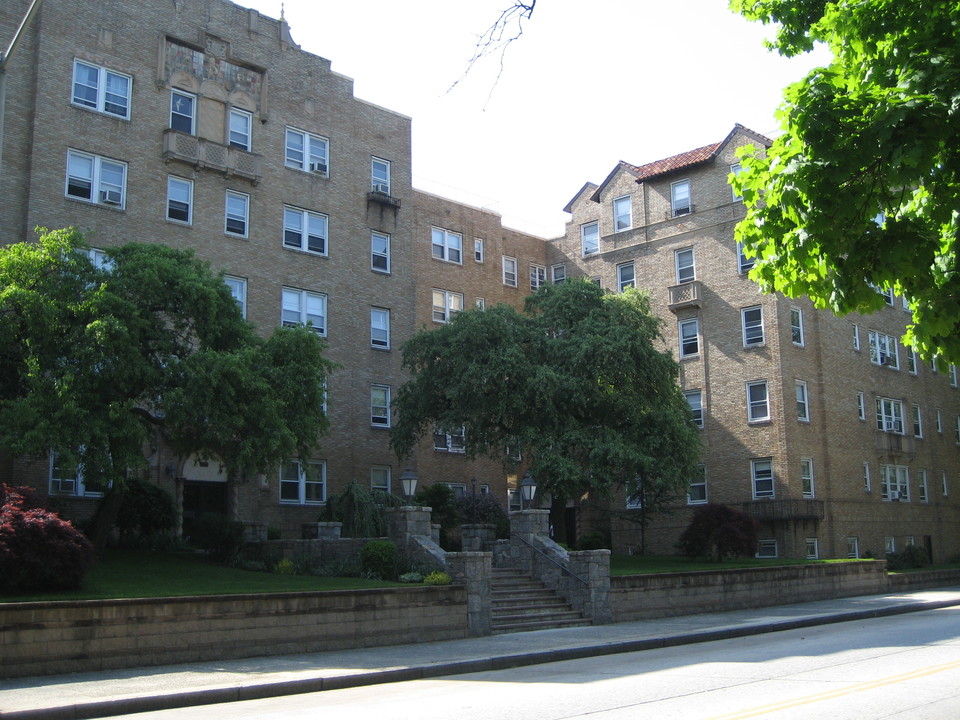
(220, 536)
(379, 559)
(411, 577)
(575, 382)
(437, 577)
(910, 558)
(443, 505)
(861, 189)
(285, 567)
(483, 508)
(360, 510)
(719, 531)
(145, 510)
(594, 541)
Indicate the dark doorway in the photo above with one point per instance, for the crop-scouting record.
(199, 498)
(928, 545)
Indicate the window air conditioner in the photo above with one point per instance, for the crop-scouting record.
(895, 495)
(110, 197)
(681, 211)
(887, 360)
(316, 167)
(381, 188)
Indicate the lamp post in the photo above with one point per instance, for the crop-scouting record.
(408, 480)
(528, 488)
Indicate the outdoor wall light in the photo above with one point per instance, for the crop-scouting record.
(528, 488)
(408, 479)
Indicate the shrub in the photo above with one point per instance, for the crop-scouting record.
(594, 541)
(411, 577)
(220, 536)
(911, 558)
(145, 510)
(437, 577)
(285, 567)
(39, 551)
(441, 500)
(378, 559)
(483, 509)
(360, 510)
(718, 531)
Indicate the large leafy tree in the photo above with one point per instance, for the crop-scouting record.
(576, 382)
(862, 189)
(96, 358)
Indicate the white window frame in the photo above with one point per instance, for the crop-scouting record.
(446, 246)
(239, 200)
(104, 97)
(450, 303)
(767, 549)
(450, 442)
(622, 213)
(744, 263)
(812, 545)
(943, 482)
(697, 488)
(177, 99)
(796, 326)
(953, 375)
(480, 303)
(939, 421)
(889, 545)
(735, 169)
(538, 276)
(509, 271)
(99, 178)
(686, 271)
(751, 324)
(758, 408)
(803, 401)
(558, 273)
(312, 155)
(302, 483)
(590, 238)
(695, 401)
(380, 175)
(688, 341)
(759, 475)
(240, 129)
(299, 307)
(71, 486)
(238, 289)
(179, 198)
(379, 406)
(626, 276)
(867, 480)
(917, 417)
(853, 547)
(856, 338)
(681, 200)
(807, 486)
(478, 250)
(883, 350)
(890, 415)
(895, 483)
(380, 328)
(305, 231)
(923, 491)
(912, 365)
(861, 406)
(379, 252)
(381, 478)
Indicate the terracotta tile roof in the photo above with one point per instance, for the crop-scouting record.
(676, 162)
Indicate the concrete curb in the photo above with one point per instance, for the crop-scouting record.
(261, 690)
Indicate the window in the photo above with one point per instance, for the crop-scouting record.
(762, 474)
(735, 170)
(303, 483)
(622, 214)
(695, 401)
(806, 477)
(889, 545)
(240, 129)
(767, 549)
(236, 213)
(689, 337)
(100, 259)
(758, 405)
(379, 252)
(238, 288)
(752, 321)
(917, 422)
(446, 245)
(509, 271)
(179, 199)
(380, 478)
(96, 179)
(558, 273)
(912, 362)
(697, 490)
(867, 484)
(380, 177)
(68, 479)
(680, 198)
(590, 238)
(943, 482)
(625, 276)
(453, 441)
(861, 407)
(307, 152)
(304, 308)
(813, 548)
(890, 415)
(304, 230)
(803, 407)
(883, 350)
(953, 375)
(183, 112)
(445, 304)
(894, 483)
(380, 405)
(744, 263)
(102, 90)
(796, 326)
(853, 547)
(685, 267)
(380, 328)
(538, 277)
(480, 304)
(939, 422)
(478, 250)
(922, 486)
(856, 338)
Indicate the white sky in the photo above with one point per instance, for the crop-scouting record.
(591, 82)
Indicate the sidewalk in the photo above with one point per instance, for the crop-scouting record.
(119, 692)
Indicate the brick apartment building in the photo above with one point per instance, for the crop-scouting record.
(201, 124)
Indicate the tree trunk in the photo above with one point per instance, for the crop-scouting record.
(105, 517)
(233, 495)
(558, 518)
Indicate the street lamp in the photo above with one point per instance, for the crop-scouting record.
(408, 479)
(528, 488)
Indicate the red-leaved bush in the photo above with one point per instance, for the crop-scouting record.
(39, 551)
(718, 531)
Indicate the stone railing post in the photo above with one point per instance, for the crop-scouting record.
(593, 566)
(475, 571)
(477, 537)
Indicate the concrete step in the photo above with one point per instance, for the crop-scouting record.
(521, 604)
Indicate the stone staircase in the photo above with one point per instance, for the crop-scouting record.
(521, 603)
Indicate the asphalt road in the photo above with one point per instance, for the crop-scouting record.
(906, 666)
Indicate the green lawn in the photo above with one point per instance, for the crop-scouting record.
(641, 564)
(129, 574)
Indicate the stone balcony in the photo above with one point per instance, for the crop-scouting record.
(894, 444)
(788, 509)
(199, 152)
(685, 295)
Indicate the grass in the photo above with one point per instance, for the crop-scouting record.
(137, 573)
(643, 564)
